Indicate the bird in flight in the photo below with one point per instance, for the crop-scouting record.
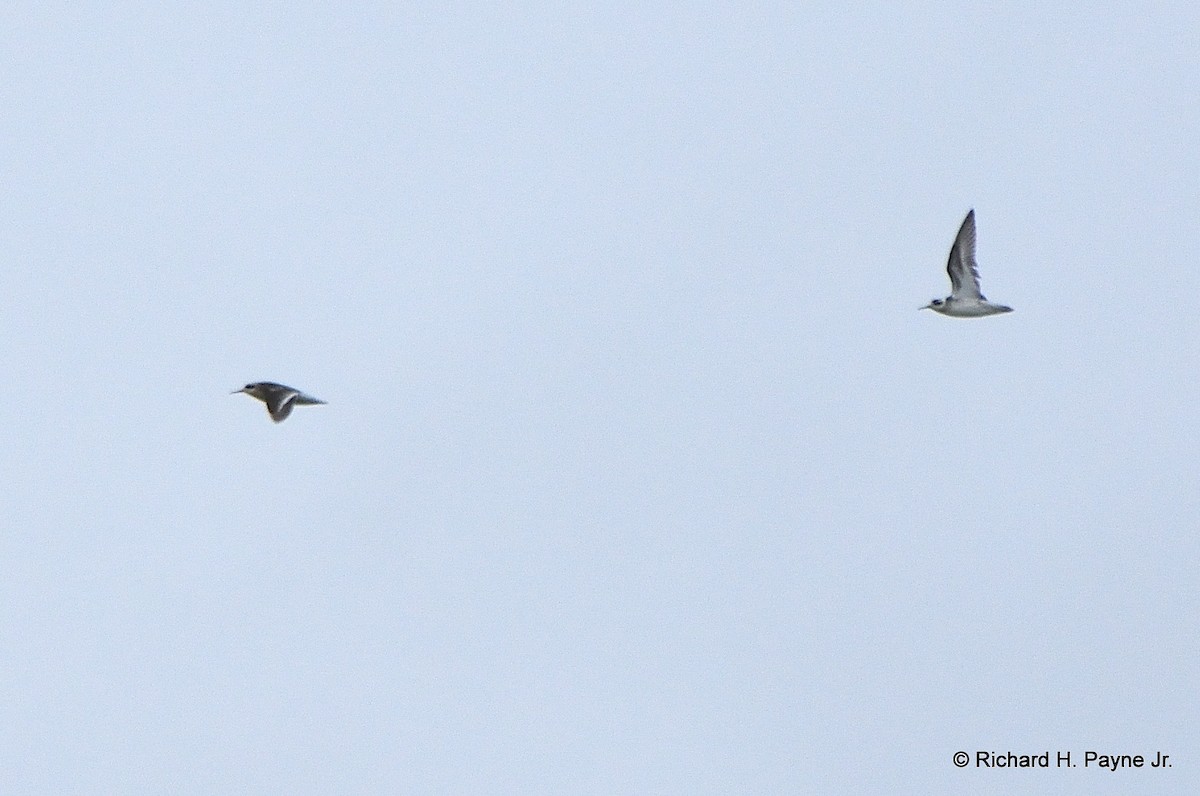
(279, 398)
(965, 300)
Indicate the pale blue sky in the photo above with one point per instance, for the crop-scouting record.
(641, 472)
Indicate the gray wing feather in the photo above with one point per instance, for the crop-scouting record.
(962, 268)
(281, 405)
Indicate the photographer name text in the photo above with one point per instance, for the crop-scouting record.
(1060, 759)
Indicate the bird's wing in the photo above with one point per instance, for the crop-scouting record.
(962, 268)
(280, 404)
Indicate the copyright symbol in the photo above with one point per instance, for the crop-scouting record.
(961, 759)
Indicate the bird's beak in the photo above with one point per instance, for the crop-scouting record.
(235, 392)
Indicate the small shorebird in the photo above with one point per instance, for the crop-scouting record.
(279, 398)
(965, 300)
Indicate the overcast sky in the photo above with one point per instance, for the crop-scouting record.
(640, 470)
